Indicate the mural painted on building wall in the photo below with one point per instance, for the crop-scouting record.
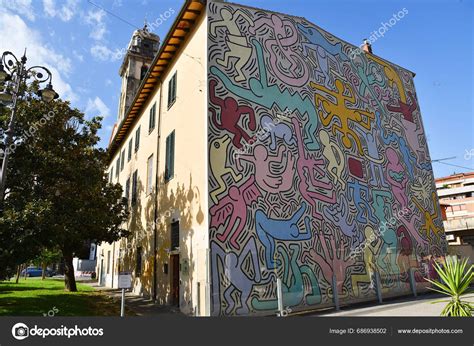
(319, 168)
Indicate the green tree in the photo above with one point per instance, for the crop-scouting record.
(58, 171)
(47, 257)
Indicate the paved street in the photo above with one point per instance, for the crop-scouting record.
(136, 305)
(410, 306)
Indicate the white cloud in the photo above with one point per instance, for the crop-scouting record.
(65, 11)
(95, 19)
(104, 53)
(23, 7)
(78, 56)
(108, 82)
(97, 107)
(38, 52)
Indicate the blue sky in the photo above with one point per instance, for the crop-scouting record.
(84, 45)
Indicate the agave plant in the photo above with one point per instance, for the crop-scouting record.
(456, 277)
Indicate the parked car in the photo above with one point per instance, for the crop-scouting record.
(35, 272)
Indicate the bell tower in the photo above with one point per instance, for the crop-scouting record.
(141, 50)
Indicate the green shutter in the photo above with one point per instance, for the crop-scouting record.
(169, 91)
(167, 164)
(172, 155)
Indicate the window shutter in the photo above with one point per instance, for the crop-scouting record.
(167, 163)
(172, 155)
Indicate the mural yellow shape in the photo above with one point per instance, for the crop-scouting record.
(339, 109)
(218, 163)
(371, 249)
(430, 225)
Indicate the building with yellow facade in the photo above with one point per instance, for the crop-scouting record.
(255, 148)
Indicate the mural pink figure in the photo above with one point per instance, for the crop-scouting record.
(409, 221)
(273, 174)
(292, 69)
(231, 113)
(266, 178)
(397, 178)
(308, 169)
(234, 208)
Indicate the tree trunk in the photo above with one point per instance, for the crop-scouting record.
(69, 279)
(18, 272)
(43, 272)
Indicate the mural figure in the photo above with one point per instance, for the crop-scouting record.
(292, 70)
(236, 274)
(371, 250)
(373, 159)
(276, 131)
(396, 177)
(231, 211)
(429, 225)
(269, 230)
(293, 287)
(309, 170)
(359, 194)
(339, 110)
(218, 164)
(339, 215)
(231, 114)
(236, 42)
(335, 157)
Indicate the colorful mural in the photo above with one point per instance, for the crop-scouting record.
(319, 168)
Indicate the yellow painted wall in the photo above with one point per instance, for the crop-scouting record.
(184, 197)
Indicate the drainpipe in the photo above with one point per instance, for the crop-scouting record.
(157, 180)
(113, 263)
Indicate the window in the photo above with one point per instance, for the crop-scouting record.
(117, 167)
(169, 165)
(174, 235)
(134, 188)
(122, 160)
(127, 189)
(137, 139)
(108, 262)
(130, 146)
(143, 71)
(149, 178)
(172, 90)
(111, 174)
(152, 119)
(138, 268)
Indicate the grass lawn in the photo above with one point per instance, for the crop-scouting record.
(35, 297)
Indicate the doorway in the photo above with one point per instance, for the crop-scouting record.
(174, 280)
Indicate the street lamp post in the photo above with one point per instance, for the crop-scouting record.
(13, 73)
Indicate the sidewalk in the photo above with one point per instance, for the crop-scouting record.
(407, 306)
(136, 305)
